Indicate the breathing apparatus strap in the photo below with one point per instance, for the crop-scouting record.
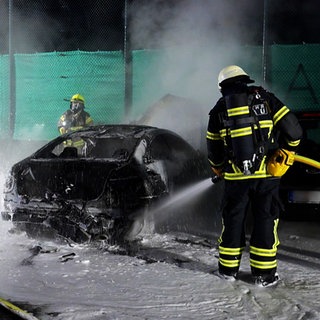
(235, 122)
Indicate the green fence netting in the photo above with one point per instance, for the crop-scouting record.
(147, 86)
(4, 95)
(295, 75)
(44, 83)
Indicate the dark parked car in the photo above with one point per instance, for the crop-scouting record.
(96, 182)
(300, 186)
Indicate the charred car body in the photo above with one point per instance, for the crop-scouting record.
(300, 186)
(95, 182)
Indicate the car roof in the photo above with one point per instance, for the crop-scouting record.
(133, 131)
(119, 129)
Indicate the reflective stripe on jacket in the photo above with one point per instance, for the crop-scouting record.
(275, 124)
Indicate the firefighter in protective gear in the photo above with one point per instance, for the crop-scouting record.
(246, 129)
(75, 117)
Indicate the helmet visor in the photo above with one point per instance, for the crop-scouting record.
(76, 106)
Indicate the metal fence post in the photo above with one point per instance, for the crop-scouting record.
(265, 43)
(12, 77)
(127, 62)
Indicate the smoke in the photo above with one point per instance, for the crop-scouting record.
(190, 31)
(33, 29)
(199, 38)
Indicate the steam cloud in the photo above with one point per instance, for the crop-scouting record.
(201, 37)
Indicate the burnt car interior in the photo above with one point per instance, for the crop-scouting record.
(69, 152)
(99, 147)
(112, 148)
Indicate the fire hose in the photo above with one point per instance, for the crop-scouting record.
(307, 161)
(15, 310)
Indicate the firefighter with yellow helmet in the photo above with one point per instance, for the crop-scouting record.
(251, 139)
(75, 117)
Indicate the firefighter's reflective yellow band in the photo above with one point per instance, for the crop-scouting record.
(224, 132)
(275, 234)
(263, 252)
(230, 263)
(280, 114)
(264, 124)
(247, 131)
(213, 136)
(231, 251)
(294, 143)
(75, 128)
(241, 176)
(263, 264)
(238, 111)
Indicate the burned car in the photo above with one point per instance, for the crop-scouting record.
(94, 183)
(300, 186)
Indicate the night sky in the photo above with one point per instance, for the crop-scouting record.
(61, 25)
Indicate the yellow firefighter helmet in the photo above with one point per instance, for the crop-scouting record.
(77, 98)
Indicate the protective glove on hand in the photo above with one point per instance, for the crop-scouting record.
(280, 162)
(217, 175)
(217, 171)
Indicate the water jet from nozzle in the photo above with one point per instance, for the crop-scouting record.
(184, 196)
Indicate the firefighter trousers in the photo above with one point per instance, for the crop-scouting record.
(260, 197)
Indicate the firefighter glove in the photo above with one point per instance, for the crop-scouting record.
(280, 162)
(218, 174)
(217, 171)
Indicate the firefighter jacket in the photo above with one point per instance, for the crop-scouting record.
(244, 130)
(70, 121)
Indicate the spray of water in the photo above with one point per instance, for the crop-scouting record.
(162, 212)
(183, 196)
